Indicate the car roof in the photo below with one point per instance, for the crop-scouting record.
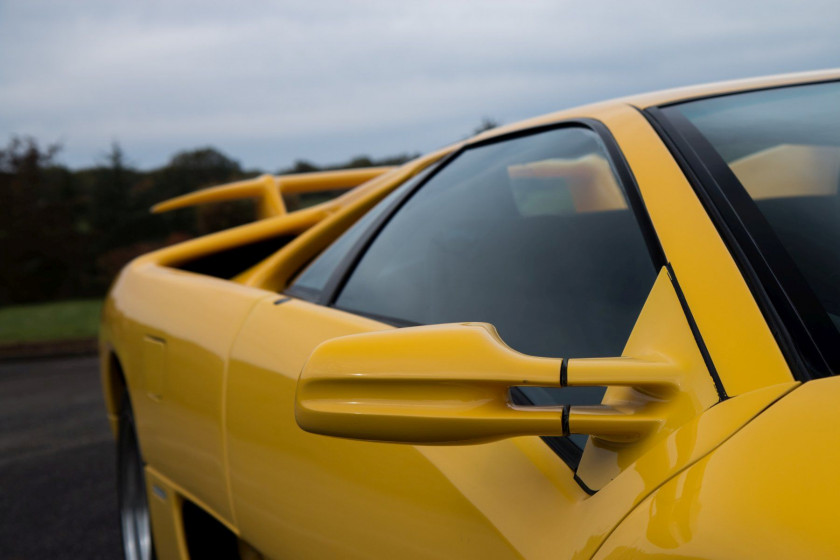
(664, 97)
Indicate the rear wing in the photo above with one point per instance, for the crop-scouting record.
(269, 189)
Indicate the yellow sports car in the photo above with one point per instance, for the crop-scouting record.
(608, 332)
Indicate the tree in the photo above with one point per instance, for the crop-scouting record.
(487, 123)
(37, 237)
(190, 170)
(202, 167)
(67, 233)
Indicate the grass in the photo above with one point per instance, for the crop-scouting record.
(60, 320)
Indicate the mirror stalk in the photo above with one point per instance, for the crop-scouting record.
(389, 386)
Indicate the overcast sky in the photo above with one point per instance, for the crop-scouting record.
(271, 82)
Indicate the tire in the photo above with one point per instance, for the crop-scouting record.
(135, 519)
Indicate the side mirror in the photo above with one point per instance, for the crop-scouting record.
(450, 384)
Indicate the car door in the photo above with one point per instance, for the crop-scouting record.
(543, 234)
(176, 328)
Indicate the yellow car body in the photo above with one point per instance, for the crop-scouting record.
(414, 449)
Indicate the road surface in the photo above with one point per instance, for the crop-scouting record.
(57, 478)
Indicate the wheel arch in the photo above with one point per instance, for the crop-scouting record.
(113, 386)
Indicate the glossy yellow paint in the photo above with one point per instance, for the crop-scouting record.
(770, 491)
(299, 494)
(264, 189)
(534, 506)
(268, 189)
(736, 334)
(289, 224)
(445, 384)
(665, 381)
(179, 421)
(216, 419)
(165, 502)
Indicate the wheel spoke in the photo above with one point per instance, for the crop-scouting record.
(134, 507)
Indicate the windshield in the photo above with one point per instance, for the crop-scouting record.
(783, 146)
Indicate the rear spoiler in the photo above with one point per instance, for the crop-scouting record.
(269, 189)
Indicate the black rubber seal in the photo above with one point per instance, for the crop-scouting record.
(698, 337)
(583, 486)
(566, 410)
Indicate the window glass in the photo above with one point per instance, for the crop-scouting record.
(783, 145)
(533, 235)
(311, 282)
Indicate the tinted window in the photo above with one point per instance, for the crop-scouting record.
(533, 235)
(783, 145)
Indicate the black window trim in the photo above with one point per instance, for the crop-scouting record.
(800, 325)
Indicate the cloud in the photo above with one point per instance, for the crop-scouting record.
(270, 82)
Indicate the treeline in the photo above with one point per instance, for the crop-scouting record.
(66, 233)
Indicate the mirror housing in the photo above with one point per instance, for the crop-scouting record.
(450, 384)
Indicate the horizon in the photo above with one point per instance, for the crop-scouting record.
(271, 84)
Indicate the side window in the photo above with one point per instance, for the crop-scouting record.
(532, 234)
(310, 283)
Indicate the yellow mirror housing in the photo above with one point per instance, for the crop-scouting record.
(450, 384)
(441, 384)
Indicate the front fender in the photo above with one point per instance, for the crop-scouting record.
(770, 491)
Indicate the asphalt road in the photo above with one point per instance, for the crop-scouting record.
(57, 477)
